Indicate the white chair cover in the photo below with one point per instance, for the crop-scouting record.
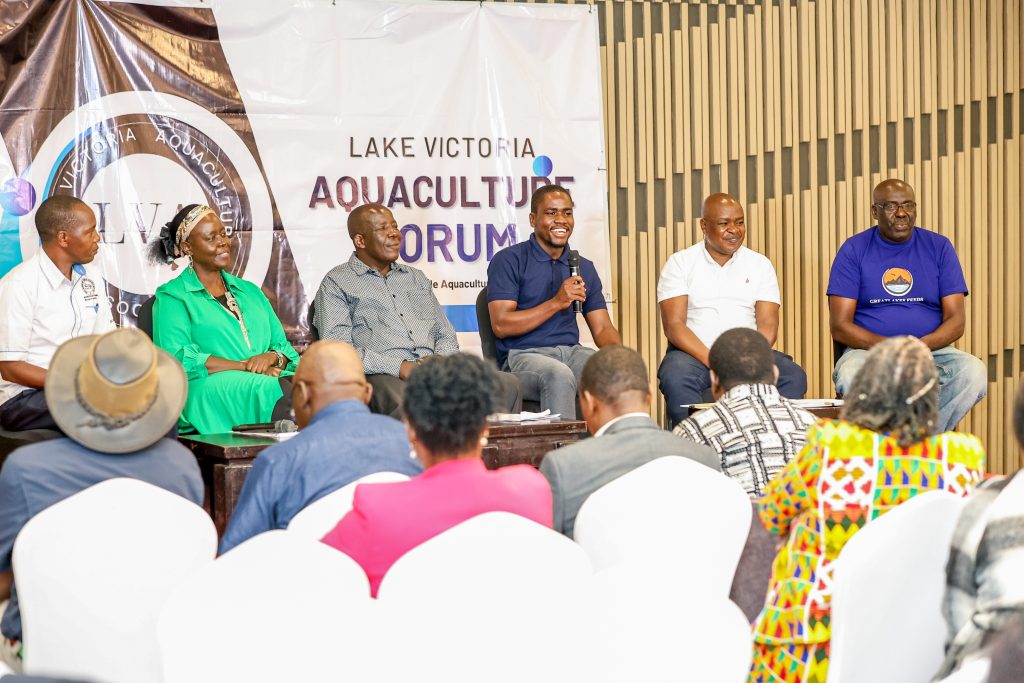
(670, 511)
(278, 607)
(319, 517)
(92, 572)
(496, 598)
(653, 627)
(974, 671)
(887, 590)
(495, 551)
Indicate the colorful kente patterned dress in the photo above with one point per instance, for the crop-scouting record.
(844, 477)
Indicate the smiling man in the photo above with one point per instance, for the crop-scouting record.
(48, 299)
(708, 288)
(530, 295)
(388, 312)
(898, 279)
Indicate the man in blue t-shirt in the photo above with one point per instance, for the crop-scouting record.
(530, 294)
(898, 279)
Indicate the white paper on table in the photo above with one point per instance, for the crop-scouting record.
(524, 416)
(276, 436)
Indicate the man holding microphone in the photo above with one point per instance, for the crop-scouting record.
(531, 291)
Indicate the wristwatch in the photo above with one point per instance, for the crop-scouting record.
(280, 363)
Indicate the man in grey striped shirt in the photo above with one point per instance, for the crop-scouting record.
(388, 312)
(752, 427)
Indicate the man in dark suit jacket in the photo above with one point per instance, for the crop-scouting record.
(615, 396)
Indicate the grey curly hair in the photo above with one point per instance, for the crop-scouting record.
(896, 391)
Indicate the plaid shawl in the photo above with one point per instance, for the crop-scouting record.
(983, 576)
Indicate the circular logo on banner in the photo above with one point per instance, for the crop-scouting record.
(897, 281)
(136, 158)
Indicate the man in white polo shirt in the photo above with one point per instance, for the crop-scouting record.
(46, 300)
(711, 287)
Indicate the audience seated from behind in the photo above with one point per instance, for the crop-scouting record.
(340, 441)
(221, 328)
(446, 404)
(752, 427)
(115, 396)
(388, 311)
(894, 279)
(49, 298)
(615, 396)
(531, 292)
(708, 288)
(984, 586)
(882, 452)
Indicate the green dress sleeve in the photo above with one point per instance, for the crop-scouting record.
(172, 331)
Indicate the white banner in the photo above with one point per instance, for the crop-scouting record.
(450, 113)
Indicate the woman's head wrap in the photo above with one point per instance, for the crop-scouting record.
(176, 232)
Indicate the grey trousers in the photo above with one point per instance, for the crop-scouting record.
(550, 374)
(388, 391)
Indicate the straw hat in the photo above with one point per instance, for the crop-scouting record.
(116, 392)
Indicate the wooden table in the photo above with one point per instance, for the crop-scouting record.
(225, 459)
(517, 443)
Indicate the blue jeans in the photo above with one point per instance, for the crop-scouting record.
(550, 374)
(683, 380)
(963, 381)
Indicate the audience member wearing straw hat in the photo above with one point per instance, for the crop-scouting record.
(115, 396)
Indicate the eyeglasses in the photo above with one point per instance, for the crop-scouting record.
(893, 207)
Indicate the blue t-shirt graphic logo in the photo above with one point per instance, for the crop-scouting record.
(897, 281)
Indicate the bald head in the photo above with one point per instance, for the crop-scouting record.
(359, 220)
(330, 362)
(716, 203)
(884, 191)
(58, 212)
(329, 371)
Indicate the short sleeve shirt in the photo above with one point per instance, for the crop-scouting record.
(898, 287)
(43, 309)
(719, 297)
(526, 274)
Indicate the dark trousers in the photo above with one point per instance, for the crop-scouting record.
(283, 408)
(26, 411)
(388, 391)
(683, 380)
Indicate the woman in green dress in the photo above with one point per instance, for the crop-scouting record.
(222, 330)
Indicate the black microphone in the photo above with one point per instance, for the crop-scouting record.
(574, 271)
(278, 427)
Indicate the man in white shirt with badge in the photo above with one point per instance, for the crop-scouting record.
(48, 299)
(711, 287)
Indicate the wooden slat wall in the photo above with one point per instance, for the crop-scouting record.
(799, 108)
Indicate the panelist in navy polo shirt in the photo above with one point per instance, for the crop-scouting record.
(713, 286)
(898, 279)
(530, 295)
